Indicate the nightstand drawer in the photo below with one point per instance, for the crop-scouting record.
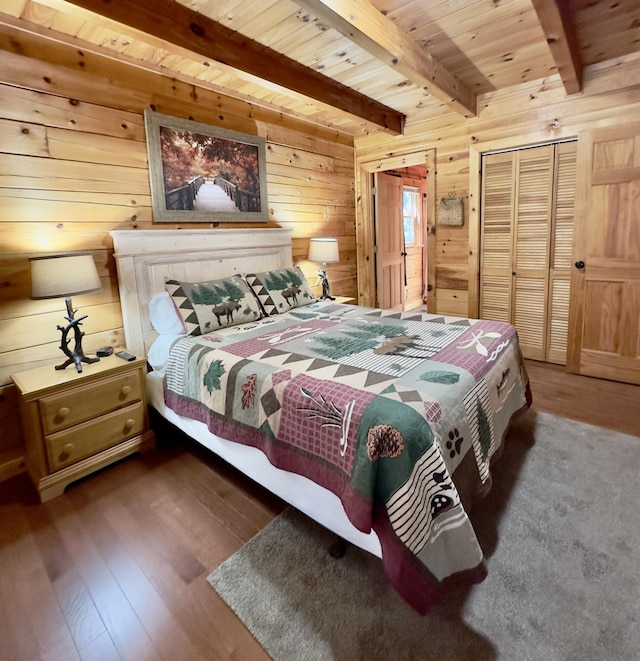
(89, 438)
(83, 403)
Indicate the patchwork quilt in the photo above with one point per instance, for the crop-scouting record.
(398, 414)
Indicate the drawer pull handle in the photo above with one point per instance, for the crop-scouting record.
(67, 450)
(63, 411)
(129, 424)
(126, 390)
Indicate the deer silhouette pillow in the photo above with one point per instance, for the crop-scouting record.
(281, 290)
(208, 306)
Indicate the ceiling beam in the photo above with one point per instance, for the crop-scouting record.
(555, 19)
(180, 26)
(360, 22)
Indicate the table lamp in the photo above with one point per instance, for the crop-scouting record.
(326, 251)
(64, 276)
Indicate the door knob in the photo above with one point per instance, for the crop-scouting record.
(580, 264)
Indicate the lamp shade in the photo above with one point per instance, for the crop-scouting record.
(58, 276)
(324, 250)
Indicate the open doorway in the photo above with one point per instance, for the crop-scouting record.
(400, 213)
(368, 235)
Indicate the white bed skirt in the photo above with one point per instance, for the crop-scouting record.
(316, 502)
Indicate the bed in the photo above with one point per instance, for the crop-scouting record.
(382, 426)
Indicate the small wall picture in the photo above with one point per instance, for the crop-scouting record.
(202, 173)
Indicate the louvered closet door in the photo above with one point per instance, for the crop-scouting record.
(527, 225)
(561, 251)
(496, 239)
(532, 237)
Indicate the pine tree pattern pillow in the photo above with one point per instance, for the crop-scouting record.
(208, 306)
(281, 290)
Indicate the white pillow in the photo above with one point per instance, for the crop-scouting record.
(165, 319)
(158, 353)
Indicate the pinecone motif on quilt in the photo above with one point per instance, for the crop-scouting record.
(384, 441)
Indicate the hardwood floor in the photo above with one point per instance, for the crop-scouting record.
(116, 567)
(598, 402)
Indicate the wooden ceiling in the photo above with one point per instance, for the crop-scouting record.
(358, 66)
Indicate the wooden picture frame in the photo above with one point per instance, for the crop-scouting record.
(204, 174)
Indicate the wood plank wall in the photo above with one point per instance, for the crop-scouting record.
(73, 166)
(531, 113)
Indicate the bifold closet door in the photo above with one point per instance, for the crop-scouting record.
(527, 223)
(561, 264)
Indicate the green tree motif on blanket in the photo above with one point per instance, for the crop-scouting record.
(212, 377)
(484, 430)
(304, 315)
(364, 337)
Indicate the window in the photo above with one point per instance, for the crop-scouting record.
(411, 214)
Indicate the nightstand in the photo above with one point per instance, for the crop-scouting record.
(76, 423)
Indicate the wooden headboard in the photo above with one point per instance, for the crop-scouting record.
(146, 258)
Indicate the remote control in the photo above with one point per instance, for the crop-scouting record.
(125, 355)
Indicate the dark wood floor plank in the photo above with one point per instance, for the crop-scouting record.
(159, 489)
(258, 497)
(149, 556)
(199, 482)
(33, 596)
(150, 608)
(96, 577)
(148, 499)
(234, 493)
(17, 640)
(121, 621)
(82, 618)
(108, 480)
(167, 637)
(186, 518)
(147, 539)
(212, 626)
(55, 556)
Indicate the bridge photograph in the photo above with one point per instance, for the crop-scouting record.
(208, 174)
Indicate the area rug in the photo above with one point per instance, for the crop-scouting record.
(560, 530)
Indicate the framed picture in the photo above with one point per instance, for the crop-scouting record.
(204, 174)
